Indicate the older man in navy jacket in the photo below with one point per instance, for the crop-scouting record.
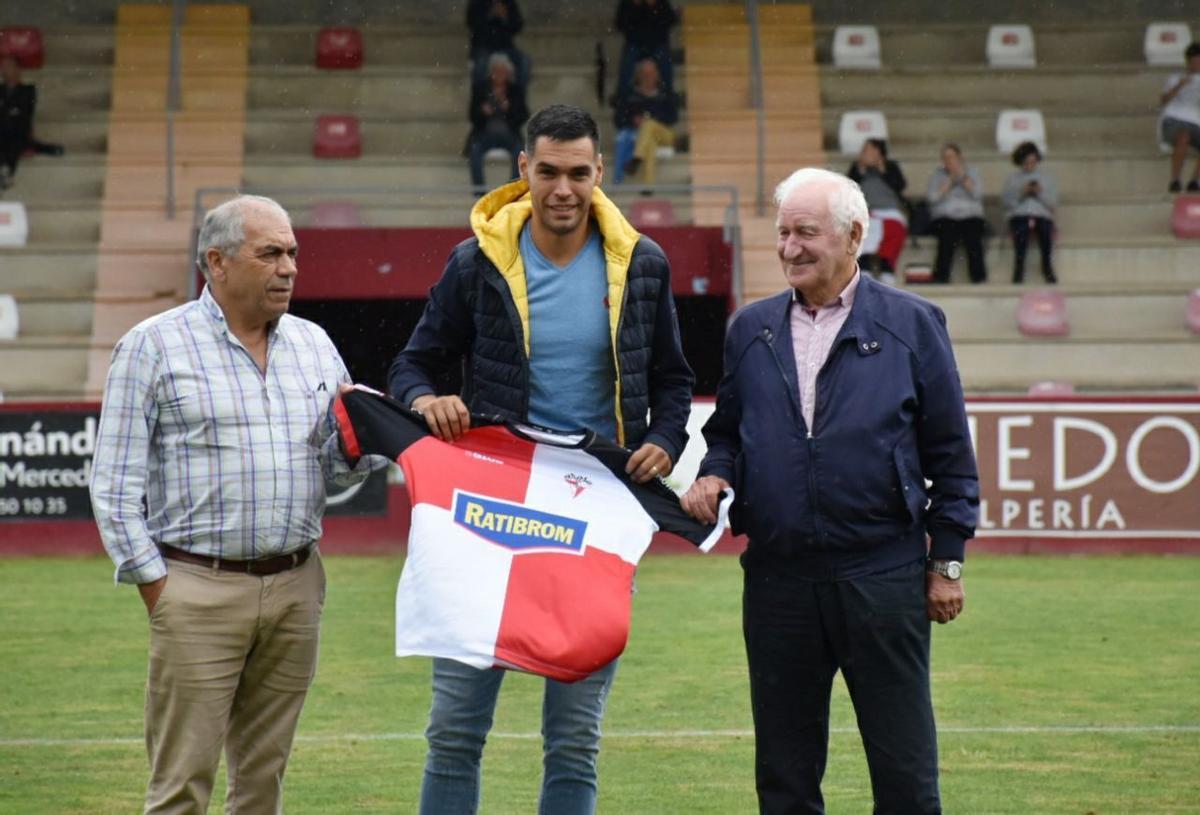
(840, 401)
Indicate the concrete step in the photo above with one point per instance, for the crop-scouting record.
(43, 364)
(1078, 175)
(46, 178)
(1130, 265)
(1127, 89)
(55, 225)
(1055, 44)
(63, 90)
(981, 313)
(923, 129)
(78, 46)
(1118, 365)
(395, 91)
(433, 46)
(55, 266)
(46, 312)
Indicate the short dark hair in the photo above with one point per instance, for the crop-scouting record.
(880, 145)
(952, 146)
(1192, 50)
(561, 123)
(1024, 150)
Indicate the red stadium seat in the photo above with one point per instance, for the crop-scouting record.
(24, 43)
(1043, 314)
(335, 215)
(1193, 311)
(337, 137)
(339, 48)
(1185, 217)
(652, 212)
(1050, 389)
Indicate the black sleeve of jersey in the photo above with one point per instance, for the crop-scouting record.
(371, 423)
(658, 500)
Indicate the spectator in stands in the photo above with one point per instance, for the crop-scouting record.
(644, 122)
(498, 111)
(646, 25)
(17, 102)
(493, 24)
(955, 197)
(882, 184)
(1030, 197)
(1180, 123)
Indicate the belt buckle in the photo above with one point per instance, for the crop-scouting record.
(295, 559)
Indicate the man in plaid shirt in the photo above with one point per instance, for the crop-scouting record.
(215, 443)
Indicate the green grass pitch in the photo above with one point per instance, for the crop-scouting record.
(1070, 685)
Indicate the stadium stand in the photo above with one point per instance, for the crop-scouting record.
(1165, 43)
(1119, 264)
(339, 48)
(1011, 46)
(1016, 126)
(857, 126)
(856, 46)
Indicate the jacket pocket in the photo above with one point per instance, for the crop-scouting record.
(912, 484)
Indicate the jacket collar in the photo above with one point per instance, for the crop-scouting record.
(860, 324)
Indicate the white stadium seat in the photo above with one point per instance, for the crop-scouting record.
(856, 46)
(857, 126)
(1016, 126)
(14, 224)
(9, 325)
(1166, 42)
(1011, 46)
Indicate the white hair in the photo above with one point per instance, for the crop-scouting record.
(224, 226)
(501, 59)
(847, 206)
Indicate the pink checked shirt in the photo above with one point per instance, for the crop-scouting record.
(813, 333)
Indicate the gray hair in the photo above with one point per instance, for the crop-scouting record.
(224, 226)
(847, 206)
(501, 59)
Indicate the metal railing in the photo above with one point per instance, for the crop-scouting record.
(178, 12)
(450, 205)
(756, 100)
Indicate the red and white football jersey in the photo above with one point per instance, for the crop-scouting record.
(524, 542)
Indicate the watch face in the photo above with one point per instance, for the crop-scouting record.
(954, 570)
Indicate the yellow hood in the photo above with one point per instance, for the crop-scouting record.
(497, 219)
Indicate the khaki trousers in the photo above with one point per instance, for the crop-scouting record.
(231, 659)
(651, 136)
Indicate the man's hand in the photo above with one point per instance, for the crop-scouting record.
(703, 497)
(150, 592)
(943, 597)
(648, 461)
(447, 416)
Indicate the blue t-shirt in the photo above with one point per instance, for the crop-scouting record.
(572, 381)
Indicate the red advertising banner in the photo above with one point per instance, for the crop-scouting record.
(1082, 471)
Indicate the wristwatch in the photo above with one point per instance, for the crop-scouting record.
(949, 569)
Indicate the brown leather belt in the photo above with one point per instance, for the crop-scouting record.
(262, 566)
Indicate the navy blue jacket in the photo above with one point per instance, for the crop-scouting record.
(847, 498)
(477, 317)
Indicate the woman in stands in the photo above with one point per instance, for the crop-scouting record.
(1179, 121)
(498, 114)
(883, 185)
(955, 197)
(1030, 197)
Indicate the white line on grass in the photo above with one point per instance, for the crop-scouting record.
(1049, 730)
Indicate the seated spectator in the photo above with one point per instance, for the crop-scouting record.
(498, 112)
(1030, 197)
(955, 196)
(646, 25)
(493, 24)
(644, 118)
(17, 103)
(883, 185)
(1180, 121)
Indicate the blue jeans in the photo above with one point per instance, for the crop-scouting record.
(464, 702)
(626, 142)
(484, 141)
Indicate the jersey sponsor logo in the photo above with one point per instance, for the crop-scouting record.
(517, 527)
(482, 457)
(578, 482)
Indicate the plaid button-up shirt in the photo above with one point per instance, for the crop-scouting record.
(201, 450)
